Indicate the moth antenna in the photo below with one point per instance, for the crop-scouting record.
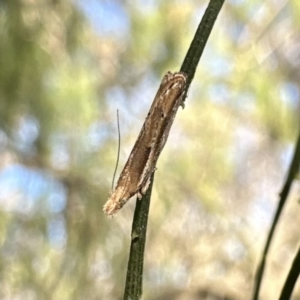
(118, 155)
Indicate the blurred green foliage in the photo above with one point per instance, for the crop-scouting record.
(65, 68)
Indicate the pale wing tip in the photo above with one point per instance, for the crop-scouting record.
(115, 202)
(110, 208)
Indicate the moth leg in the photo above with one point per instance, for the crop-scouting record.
(144, 188)
(182, 102)
(139, 195)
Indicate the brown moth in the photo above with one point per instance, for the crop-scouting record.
(136, 175)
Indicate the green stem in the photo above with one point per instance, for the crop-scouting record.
(134, 278)
(198, 44)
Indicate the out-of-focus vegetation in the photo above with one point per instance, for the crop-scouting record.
(66, 67)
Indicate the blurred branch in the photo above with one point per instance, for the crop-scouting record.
(294, 168)
(133, 286)
(291, 279)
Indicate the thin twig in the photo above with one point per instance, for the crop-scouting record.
(134, 282)
(291, 278)
(134, 278)
(198, 44)
(294, 168)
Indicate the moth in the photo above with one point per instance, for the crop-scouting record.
(136, 175)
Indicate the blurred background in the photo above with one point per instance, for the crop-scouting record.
(65, 69)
